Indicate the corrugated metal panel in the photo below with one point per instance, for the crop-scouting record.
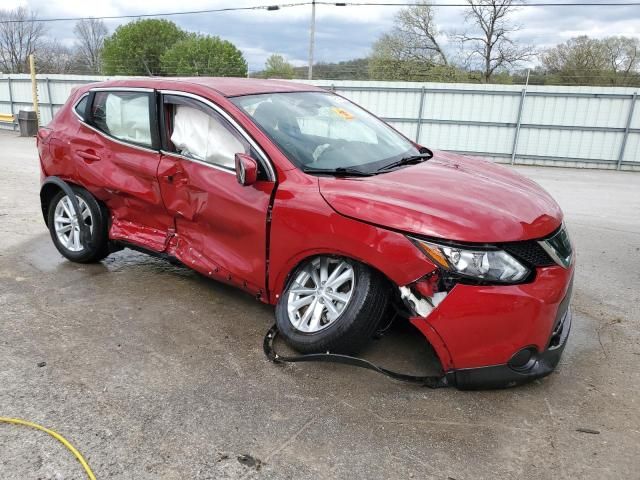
(568, 126)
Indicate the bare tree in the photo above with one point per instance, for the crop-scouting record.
(90, 34)
(53, 57)
(20, 36)
(490, 38)
(622, 54)
(415, 38)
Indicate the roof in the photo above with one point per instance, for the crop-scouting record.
(227, 86)
(231, 87)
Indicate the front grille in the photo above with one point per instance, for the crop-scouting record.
(529, 252)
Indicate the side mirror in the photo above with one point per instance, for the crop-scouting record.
(246, 169)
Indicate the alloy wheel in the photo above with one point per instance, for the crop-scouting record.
(66, 225)
(320, 293)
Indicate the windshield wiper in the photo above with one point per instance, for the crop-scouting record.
(411, 160)
(340, 171)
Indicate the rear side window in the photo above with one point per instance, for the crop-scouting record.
(124, 115)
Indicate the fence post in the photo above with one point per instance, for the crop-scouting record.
(34, 87)
(623, 147)
(420, 112)
(11, 100)
(49, 97)
(516, 136)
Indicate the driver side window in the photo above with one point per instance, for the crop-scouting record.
(202, 134)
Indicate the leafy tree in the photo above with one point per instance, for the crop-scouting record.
(589, 61)
(489, 43)
(356, 69)
(277, 67)
(90, 35)
(136, 47)
(204, 55)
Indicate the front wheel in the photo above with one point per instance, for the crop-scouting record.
(331, 304)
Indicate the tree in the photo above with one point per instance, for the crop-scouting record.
(589, 61)
(90, 35)
(356, 69)
(417, 36)
(53, 57)
(489, 41)
(577, 61)
(412, 46)
(136, 47)
(277, 67)
(204, 55)
(623, 56)
(19, 38)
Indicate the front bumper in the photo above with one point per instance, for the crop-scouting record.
(504, 376)
(477, 332)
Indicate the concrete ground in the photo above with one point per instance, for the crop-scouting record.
(153, 371)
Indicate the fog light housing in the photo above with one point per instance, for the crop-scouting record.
(524, 359)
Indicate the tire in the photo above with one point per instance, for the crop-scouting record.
(359, 312)
(96, 218)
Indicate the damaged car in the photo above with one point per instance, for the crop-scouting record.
(310, 203)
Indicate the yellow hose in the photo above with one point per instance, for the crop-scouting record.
(57, 436)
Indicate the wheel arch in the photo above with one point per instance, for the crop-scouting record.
(49, 189)
(296, 261)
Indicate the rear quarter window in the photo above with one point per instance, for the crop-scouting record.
(81, 107)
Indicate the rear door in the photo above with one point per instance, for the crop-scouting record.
(117, 153)
(221, 226)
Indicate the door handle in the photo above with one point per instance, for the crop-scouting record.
(88, 155)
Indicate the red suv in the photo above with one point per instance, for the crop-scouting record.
(312, 204)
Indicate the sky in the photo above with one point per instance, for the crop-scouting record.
(342, 33)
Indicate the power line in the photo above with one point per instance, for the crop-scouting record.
(325, 3)
(518, 5)
(166, 14)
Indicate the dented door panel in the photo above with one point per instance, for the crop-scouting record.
(125, 178)
(221, 226)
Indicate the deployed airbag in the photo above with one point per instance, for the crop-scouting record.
(203, 137)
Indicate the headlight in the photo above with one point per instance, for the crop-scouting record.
(482, 264)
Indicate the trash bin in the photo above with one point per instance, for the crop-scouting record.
(28, 122)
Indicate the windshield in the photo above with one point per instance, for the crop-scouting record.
(318, 130)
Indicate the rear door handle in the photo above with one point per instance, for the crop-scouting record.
(88, 155)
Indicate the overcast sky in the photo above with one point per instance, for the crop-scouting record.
(342, 32)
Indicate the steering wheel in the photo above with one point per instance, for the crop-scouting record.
(336, 146)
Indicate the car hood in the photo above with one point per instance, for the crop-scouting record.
(451, 197)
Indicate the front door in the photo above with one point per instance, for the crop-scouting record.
(221, 226)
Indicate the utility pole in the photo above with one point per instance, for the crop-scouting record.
(312, 37)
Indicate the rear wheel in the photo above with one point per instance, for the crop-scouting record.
(65, 230)
(331, 304)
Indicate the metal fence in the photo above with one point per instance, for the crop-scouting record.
(588, 127)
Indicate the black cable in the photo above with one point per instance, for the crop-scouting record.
(429, 381)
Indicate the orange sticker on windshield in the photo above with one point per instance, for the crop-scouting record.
(343, 113)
